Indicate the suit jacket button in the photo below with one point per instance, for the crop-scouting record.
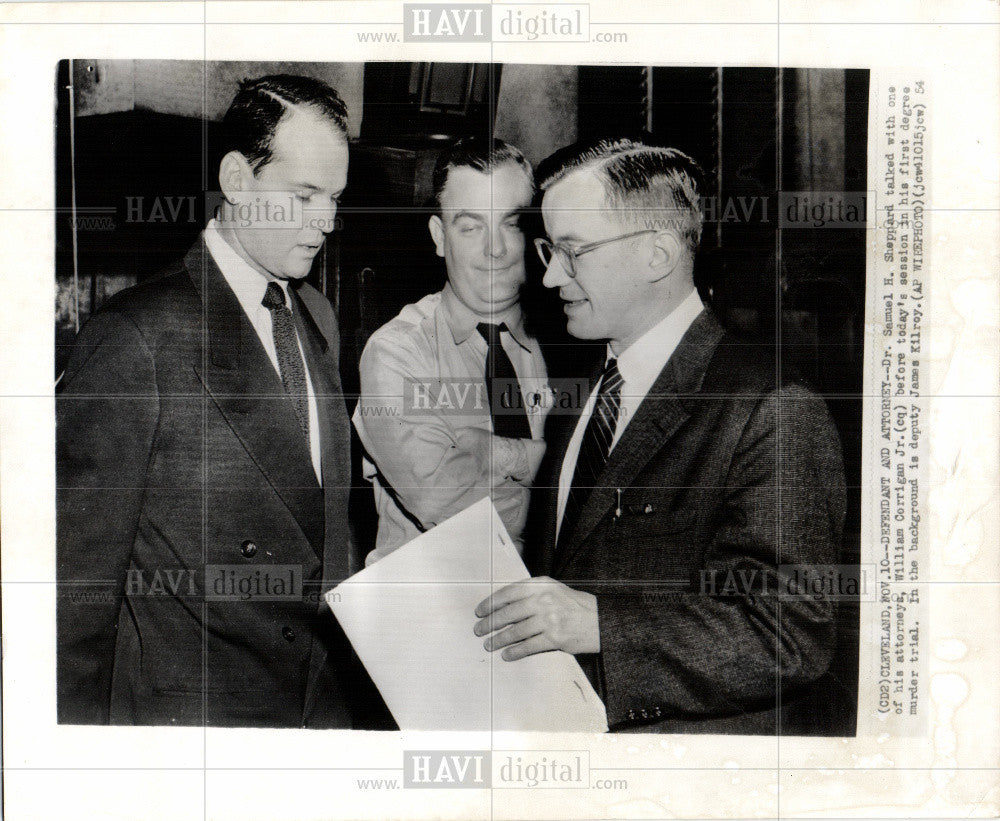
(288, 633)
(644, 714)
(631, 715)
(249, 549)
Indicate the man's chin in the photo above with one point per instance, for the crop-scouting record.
(580, 330)
(502, 301)
(294, 272)
(505, 290)
(512, 276)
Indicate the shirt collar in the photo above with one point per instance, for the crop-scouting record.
(462, 321)
(248, 283)
(641, 362)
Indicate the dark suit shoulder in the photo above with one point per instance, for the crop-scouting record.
(133, 327)
(166, 293)
(742, 364)
(159, 306)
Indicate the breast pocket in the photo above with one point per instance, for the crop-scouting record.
(648, 519)
(655, 544)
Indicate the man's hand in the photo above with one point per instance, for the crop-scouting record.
(504, 458)
(476, 441)
(538, 615)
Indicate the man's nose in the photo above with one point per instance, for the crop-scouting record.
(497, 244)
(555, 274)
(322, 217)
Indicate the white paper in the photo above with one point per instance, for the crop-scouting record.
(410, 618)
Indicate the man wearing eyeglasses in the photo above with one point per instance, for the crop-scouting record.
(673, 507)
(451, 405)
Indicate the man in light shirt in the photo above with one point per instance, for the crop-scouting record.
(203, 459)
(694, 476)
(454, 390)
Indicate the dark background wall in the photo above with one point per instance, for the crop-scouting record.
(191, 88)
(142, 148)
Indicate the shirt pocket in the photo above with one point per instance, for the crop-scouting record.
(538, 397)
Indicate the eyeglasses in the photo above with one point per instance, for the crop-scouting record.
(567, 256)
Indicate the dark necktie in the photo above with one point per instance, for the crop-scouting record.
(293, 370)
(595, 446)
(510, 419)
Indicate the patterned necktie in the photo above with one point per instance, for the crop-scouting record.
(293, 371)
(595, 446)
(510, 418)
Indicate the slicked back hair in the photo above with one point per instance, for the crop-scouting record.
(480, 153)
(645, 186)
(260, 104)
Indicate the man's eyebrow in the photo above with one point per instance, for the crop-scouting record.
(472, 215)
(308, 186)
(520, 211)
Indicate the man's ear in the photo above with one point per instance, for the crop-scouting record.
(234, 175)
(668, 250)
(436, 227)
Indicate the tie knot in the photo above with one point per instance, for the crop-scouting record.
(490, 332)
(274, 296)
(613, 380)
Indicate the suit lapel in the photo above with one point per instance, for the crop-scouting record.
(320, 344)
(239, 377)
(540, 547)
(320, 341)
(665, 408)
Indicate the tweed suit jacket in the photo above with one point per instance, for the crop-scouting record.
(182, 470)
(728, 476)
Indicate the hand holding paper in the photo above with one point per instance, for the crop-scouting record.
(411, 618)
(539, 615)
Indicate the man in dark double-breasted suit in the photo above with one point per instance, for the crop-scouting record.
(684, 511)
(203, 456)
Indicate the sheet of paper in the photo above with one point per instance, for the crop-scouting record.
(410, 618)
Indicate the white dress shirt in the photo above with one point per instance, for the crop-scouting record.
(249, 287)
(639, 364)
(420, 473)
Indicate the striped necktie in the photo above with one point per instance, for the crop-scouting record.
(596, 445)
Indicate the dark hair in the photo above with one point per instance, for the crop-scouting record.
(259, 106)
(481, 154)
(642, 183)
